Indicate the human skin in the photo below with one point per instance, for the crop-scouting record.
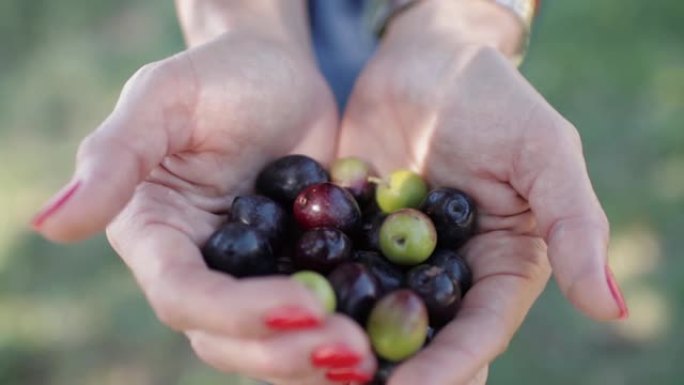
(190, 132)
(187, 135)
(442, 96)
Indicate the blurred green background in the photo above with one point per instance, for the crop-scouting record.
(73, 315)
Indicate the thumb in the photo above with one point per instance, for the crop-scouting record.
(116, 157)
(552, 172)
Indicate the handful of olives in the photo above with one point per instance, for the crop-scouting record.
(382, 251)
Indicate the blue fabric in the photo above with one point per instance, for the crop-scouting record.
(343, 41)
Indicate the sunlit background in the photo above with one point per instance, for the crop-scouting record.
(72, 315)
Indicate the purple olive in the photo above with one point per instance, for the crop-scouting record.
(322, 249)
(356, 289)
(327, 205)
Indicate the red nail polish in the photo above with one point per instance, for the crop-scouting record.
(617, 294)
(348, 375)
(291, 318)
(334, 356)
(55, 204)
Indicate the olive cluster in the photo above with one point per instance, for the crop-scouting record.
(382, 251)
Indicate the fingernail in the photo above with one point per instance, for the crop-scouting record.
(617, 294)
(55, 204)
(291, 318)
(348, 375)
(335, 356)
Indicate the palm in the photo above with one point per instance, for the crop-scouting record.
(226, 108)
(215, 114)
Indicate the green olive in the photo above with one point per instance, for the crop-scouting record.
(407, 237)
(404, 189)
(320, 286)
(398, 325)
(352, 173)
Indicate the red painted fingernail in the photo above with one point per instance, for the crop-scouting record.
(55, 204)
(617, 294)
(335, 356)
(291, 318)
(348, 375)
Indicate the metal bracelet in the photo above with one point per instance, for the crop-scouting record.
(383, 11)
(525, 10)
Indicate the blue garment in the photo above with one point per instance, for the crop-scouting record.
(343, 41)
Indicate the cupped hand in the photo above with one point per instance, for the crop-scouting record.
(463, 116)
(188, 134)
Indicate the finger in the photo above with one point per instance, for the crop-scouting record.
(146, 124)
(186, 295)
(302, 357)
(509, 275)
(552, 175)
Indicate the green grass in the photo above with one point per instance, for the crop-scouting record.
(73, 314)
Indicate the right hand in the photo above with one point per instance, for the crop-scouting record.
(187, 135)
(445, 103)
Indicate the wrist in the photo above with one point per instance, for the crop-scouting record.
(464, 23)
(205, 20)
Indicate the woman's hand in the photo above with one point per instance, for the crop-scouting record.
(461, 114)
(188, 134)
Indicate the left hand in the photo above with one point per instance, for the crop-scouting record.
(462, 115)
(188, 134)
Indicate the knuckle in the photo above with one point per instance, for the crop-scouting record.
(141, 214)
(152, 74)
(570, 134)
(575, 137)
(349, 331)
(498, 340)
(151, 81)
(210, 289)
(204, 354)
(112, 233)
(500, 346)
(273, 365)
(558, 130)
(199, 345)
(555, 130)
(535, 263)
(150, 69)
(274, 368)
(481, 376)
(207, 354)
(603, 223)
(133, 222)
(169, 84)
(293, 292)
(87, 146)
(164, 305)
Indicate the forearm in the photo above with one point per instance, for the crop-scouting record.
(467, 22)
(204, 20)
